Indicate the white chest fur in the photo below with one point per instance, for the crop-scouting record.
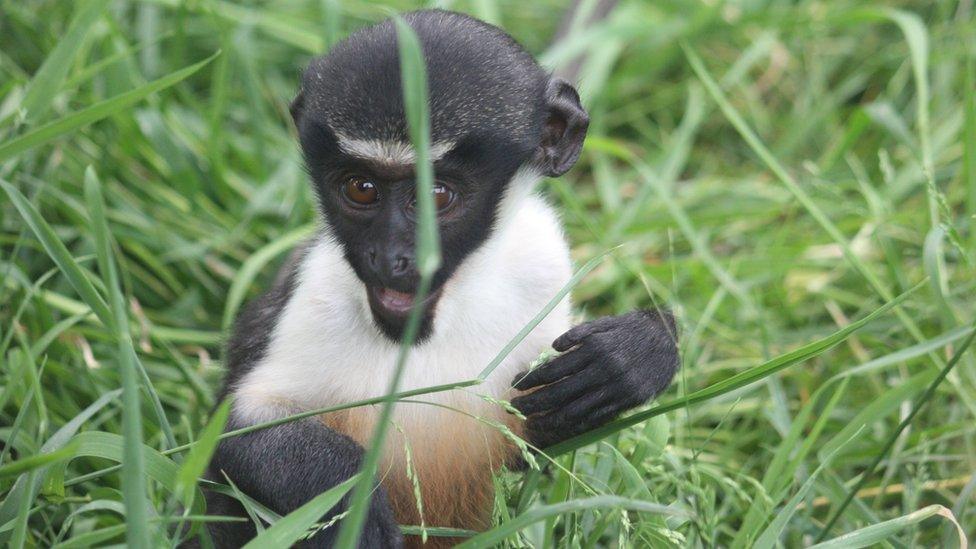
(325, 349)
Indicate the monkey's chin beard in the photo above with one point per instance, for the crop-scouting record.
(391, 309)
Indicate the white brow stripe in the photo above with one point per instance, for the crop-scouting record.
(390, 152)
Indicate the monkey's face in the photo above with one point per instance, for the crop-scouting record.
(368, 197)
(492, 111)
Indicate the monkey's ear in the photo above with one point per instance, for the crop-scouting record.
(565, 129)
(297, 107)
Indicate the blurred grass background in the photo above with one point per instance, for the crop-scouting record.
(820, 160)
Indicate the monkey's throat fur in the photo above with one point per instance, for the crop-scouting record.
(326, 351)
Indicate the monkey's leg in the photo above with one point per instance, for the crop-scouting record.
(286, 466)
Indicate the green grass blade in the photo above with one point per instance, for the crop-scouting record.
(92, 539)
(500, 533)
(770, 536)
(413, 76)
(103, 243)
(96, 538)
(782, 469)
(258, 513)
(48, 79)
(31, 290)
(27, 486)
(59, 254)
(133, 468)
(735, 382)
(876, 534)
(787, 179)
(198, 458)
(17, 357)
(87, 73)
(287, 29)
(438, 532)
(413, 73)
(969, 143)
(698, 243)
(917, 38)
(248, 504)
(107, 268)
(908, 353)
(293, 526)
(933, 259)
(112, 447)
(879, 408)
(33, 462)
(159, 333)
(42, 343)
(756, 144)
(95, 112)
(922, 401)
(23, 508)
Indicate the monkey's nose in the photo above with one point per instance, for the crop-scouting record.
(393, 269)
(398, 270)
(400, 265)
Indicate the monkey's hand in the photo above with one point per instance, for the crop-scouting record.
(613, 364)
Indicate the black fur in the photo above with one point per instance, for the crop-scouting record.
(613, 364)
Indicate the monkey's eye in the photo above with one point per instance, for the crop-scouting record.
(443, 196)
(360, 191)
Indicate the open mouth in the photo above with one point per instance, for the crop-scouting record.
(392, 303)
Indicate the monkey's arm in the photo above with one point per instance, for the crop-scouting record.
(286, 466)
(613, 364)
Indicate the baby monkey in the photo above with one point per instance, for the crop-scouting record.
(328, 330)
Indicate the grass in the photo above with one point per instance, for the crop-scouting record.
(796, 179)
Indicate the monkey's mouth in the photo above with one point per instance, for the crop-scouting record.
(395, 305)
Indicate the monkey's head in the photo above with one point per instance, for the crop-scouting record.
(494, 112)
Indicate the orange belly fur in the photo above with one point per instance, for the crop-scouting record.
(452, 455)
